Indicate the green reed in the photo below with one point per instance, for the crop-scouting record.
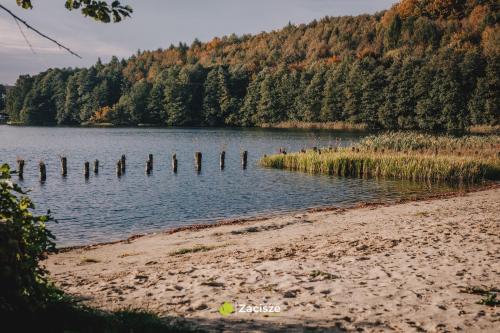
(412, 165)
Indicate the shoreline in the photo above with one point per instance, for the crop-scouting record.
(240, 221)
(361, 128)
(412, 266)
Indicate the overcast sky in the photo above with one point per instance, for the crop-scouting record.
(154, 24)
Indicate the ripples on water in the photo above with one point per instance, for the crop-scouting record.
(106, 208)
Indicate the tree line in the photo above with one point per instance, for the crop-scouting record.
(429, 65)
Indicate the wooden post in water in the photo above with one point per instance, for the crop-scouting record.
(123, 164)
(20, 168)
(150, 160)
(148, 167)
(197, 161)
(64, 166)
(96, 167)
(222, 160)
(174, 163)
(43, 171)
(119, 168)
(244, 157)
(86, 170)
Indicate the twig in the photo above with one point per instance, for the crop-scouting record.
(17, 18)
(24, 36)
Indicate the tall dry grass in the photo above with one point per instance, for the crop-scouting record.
(485, 129)
(337, 125)
(473, 145)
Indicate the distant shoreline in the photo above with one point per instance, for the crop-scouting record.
(283, 125)
(326, 126)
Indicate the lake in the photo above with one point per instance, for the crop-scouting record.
(106, 208)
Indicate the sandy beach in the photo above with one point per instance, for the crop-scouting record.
(399, 268)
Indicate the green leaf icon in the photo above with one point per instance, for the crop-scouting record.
(226, 309)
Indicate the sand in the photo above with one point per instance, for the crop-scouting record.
(399, 268)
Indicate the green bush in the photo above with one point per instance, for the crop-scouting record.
(28, 301)
(24, 242)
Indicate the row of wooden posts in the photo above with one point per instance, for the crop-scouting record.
(121, 165)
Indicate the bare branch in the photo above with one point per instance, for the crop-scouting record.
(17, 18)
(24, 36)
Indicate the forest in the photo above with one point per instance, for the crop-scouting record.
(429, 65)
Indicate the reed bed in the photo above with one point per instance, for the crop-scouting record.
(369, 159)
(336, 125)
(472, 145)
(485, 129)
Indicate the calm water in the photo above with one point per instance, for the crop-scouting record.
(106, 208)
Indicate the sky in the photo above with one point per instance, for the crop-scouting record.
(154, 24)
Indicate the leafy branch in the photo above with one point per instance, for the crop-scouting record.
(99, 10)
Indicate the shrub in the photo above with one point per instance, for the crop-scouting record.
(24, 242)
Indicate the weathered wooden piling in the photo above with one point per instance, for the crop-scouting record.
(96, 167)
(150, 160)
(123, 164)
(20, 168)
(222, 160)
(43, 171)
(119, 168)
(86, 170)
(174, 163)
(64, 166)
(244, 158)
(149, 167)
(197, 161)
